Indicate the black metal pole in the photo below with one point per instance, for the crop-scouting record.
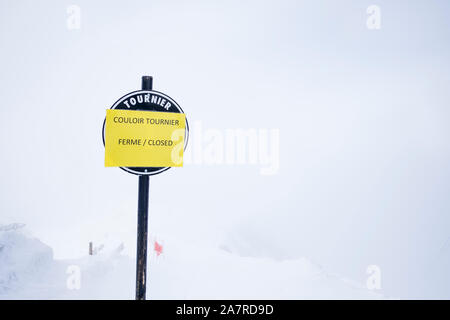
(142, 223)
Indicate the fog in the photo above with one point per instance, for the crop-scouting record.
(362, 117)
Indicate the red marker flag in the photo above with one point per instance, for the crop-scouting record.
(158, 248)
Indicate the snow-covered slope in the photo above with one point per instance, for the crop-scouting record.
(28, 271)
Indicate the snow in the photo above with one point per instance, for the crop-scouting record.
(363, 122)
(28, 270)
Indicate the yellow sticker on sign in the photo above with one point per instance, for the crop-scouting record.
(144, 138)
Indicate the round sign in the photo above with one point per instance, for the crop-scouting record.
(147, 100)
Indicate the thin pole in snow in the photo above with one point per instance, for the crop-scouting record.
(142, 225)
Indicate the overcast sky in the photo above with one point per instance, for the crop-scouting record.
(363, 119)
